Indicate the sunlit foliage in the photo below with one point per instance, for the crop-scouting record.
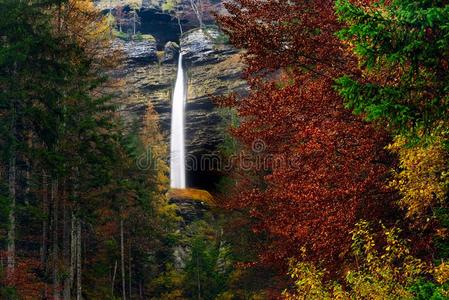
(385, 271)
(422, 175)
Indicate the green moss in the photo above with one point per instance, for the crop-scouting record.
(172, 44)
(120, 35)
(148, 37)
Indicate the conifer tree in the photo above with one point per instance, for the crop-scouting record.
(403, 51)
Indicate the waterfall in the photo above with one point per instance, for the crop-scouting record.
(177, 143)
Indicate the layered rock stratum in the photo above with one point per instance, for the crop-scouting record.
(213, 69)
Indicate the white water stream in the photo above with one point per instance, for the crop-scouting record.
(177, 140)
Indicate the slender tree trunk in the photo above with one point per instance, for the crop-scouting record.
(11, 256)
(134, 22)
(197, 7)
(180, 25)
(129, 274)
(45, 229)
(55, 249)
(113, 279)
(44, 248)
(140, 290)
(122, 255)
(28, 172)
(66, 247)
(78, 260)
(73, 253)
(12, 186)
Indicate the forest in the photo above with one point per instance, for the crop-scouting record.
(338, 181)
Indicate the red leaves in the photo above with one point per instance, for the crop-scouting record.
(334, 164)
(24, 280)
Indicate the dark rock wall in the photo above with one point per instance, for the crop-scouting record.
(212, 68)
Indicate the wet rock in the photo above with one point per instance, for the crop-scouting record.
(191, 204)
(171, 50)
(204, 46)
(138, 52)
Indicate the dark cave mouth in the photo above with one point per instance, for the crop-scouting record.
(162, 26)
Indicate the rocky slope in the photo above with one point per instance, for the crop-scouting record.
(213, 69)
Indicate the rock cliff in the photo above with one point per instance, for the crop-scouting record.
(213, 69)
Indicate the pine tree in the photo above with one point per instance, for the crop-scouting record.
(403, 51)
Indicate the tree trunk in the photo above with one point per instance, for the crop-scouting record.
(28, 164)
(134, 22)
(66, 247)
(129, 273)
(12, 182)
(55, 249)
(73, 253)
(197, 7)
(78, 260)
(113, 279)
(122, 255)
(45, 229)
(11, 255)
(44, 248)
(180, 25)
(140, 290)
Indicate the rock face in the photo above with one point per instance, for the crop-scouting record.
(189, 210)
(205, 47)
(138, 52)
(171, 51)
(192, 204)
(213, 69)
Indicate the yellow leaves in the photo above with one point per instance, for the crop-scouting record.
(308, 281)
(169, 5)
(386, 273)
(441, 273)
(80, 22)
(422, 178)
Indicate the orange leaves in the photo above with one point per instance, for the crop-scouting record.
(337, 164)
(24, 281)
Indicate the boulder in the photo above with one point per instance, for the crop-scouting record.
(171, 51)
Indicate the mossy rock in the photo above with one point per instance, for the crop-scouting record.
(172, 45)
(120, 35)
(148, 37)
(191, 195)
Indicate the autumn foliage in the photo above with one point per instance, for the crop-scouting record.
(326, 167)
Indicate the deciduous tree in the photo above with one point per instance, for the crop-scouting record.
(314, 168)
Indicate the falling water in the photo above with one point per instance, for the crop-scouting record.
(177, 150)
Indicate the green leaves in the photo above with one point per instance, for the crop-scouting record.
(374, 102)
(403, 50)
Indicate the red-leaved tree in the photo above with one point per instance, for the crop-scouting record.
(314, 168)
